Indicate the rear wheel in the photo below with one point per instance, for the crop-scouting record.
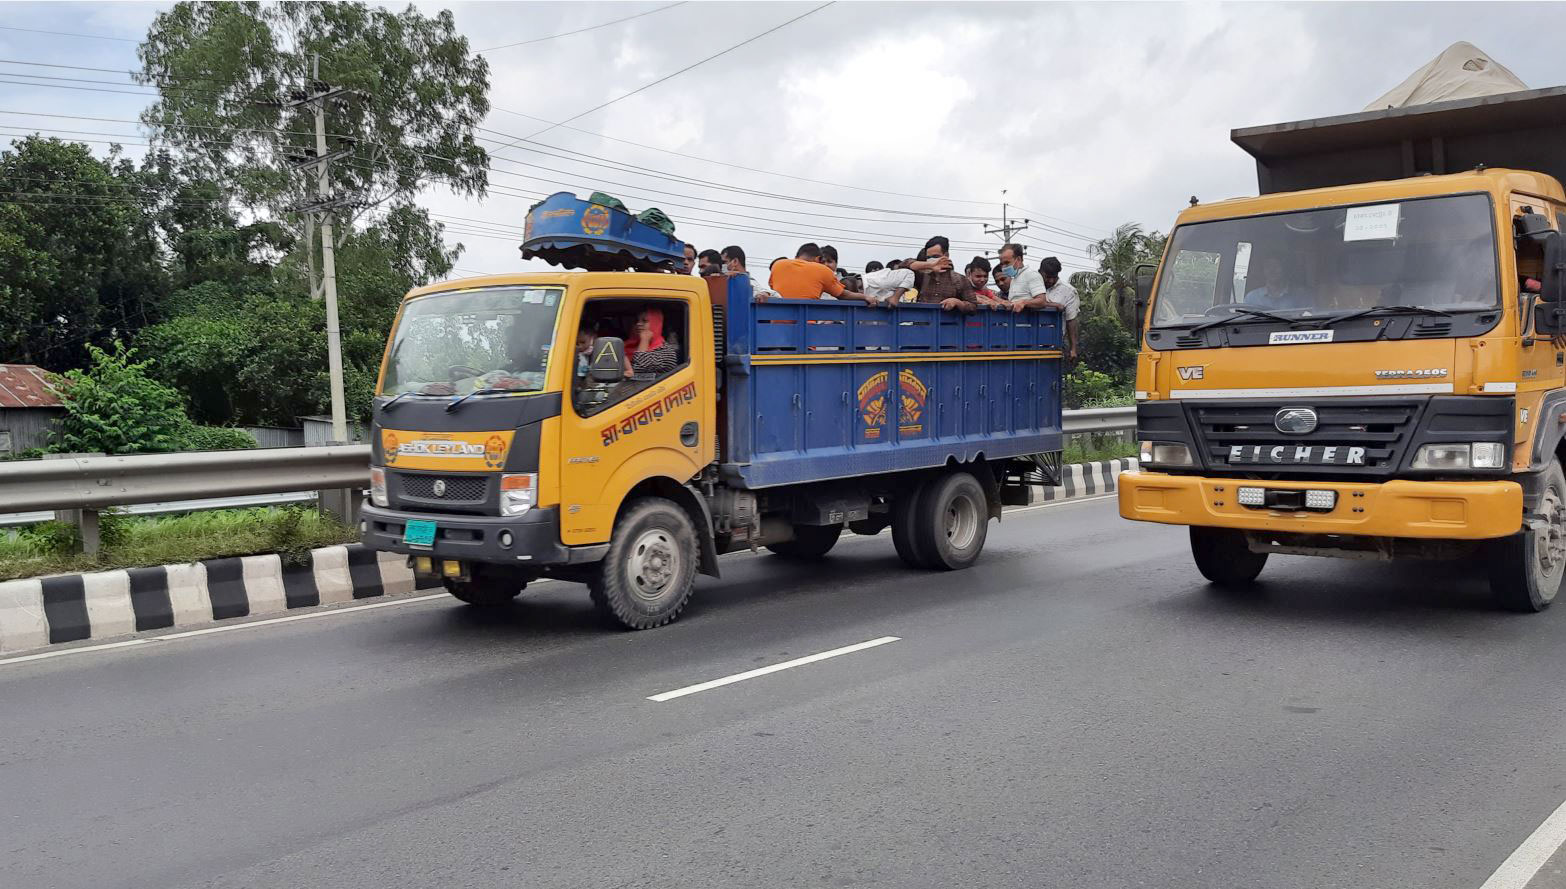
(1526, 568)
(1224, 558)
(905, 511)
(952, 521)
(484, 592)
(810, 542)
(645, 579)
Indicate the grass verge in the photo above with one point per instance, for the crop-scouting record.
(1086, 450)
(50, 547)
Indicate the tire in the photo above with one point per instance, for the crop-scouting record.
(646, 578)
(485, 592)
(810, 542)
(1526, 568)
(952, 521)
(904, 512)
(1224, 558)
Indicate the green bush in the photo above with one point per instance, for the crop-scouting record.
(217, 438)
(50, 538)
(1088, 388)
(113, 407)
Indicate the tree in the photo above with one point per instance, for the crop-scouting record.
(226, 72)
(1118, 256)
(79, 252)
(115, 407)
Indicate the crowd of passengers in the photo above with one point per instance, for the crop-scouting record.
(929, 277)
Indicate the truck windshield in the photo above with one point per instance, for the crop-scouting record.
(1433, 253)
(496, 339)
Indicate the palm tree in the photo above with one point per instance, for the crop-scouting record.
(1118, 256)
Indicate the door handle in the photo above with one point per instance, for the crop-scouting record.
(690, 434)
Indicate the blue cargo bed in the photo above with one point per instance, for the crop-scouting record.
(819, 389)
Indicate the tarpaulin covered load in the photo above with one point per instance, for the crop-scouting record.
(1462, 71)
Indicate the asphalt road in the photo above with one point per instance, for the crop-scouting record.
(1077, 710)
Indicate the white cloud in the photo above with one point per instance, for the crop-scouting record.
(1092, 113)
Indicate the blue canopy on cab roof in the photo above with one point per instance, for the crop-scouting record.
(567, 231)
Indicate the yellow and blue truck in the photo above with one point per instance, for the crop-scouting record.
(1366, 360)
(513, 438)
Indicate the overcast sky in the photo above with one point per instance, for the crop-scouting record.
(1088, 115)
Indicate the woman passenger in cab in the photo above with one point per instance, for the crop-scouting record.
(646, 349)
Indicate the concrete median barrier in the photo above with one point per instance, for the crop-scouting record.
(44, 611)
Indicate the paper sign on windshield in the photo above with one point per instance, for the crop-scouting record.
(1377, 223)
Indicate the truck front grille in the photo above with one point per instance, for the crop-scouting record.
(455, 488)
(1376, 432)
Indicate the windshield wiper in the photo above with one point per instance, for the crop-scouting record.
(396, 398)
(488, 390)
(1383, 310)
(1243, 310)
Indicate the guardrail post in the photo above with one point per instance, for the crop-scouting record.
(341, 504)
(86, 523)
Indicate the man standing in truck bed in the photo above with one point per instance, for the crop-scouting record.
(939, 281)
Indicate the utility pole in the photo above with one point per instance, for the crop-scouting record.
(318, 95)
(1006, 227)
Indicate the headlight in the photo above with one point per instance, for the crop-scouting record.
(377, 486)
(1165, 453)
(1480, 455)
(518, 492)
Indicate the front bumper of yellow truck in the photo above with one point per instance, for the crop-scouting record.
(1448, 510)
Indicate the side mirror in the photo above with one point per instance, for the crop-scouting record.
(1554, 267)
(1145, 273)
(608, 364)
(1549, 319)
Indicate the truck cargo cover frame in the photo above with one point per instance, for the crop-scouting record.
(1522, 130)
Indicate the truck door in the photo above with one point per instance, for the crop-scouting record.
(656, 423)
(1538, 363)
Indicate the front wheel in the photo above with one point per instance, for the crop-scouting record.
(1526, 568)
(646, 578)
(484, 592)
(1224, 558)
(810, 542)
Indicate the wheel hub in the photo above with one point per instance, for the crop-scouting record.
(1551, 544)
(961, 522)
(654, 564)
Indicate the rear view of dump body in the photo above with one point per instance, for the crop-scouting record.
(819, 390)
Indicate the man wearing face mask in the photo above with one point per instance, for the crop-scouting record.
(1042, 289)
(939, 282)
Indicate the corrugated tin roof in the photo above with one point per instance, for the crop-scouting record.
(25, 385)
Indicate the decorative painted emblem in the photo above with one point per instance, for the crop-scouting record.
(1295, 420)
(494, 451)
(595, 219)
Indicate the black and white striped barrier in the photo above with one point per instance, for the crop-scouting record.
(71, 607)
(1089, 479)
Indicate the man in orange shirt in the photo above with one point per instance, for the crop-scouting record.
(806, 277)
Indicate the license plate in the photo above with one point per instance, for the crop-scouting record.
(419, 533)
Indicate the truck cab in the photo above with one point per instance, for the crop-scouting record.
(1367, 367)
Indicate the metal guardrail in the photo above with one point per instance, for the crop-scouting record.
(227, 479)
(99, 482)
(1099, 419)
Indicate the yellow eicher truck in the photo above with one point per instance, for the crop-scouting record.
(1366, 360)
(623, 428)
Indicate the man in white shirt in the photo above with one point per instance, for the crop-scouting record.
(886, 286)
(1042, 289)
